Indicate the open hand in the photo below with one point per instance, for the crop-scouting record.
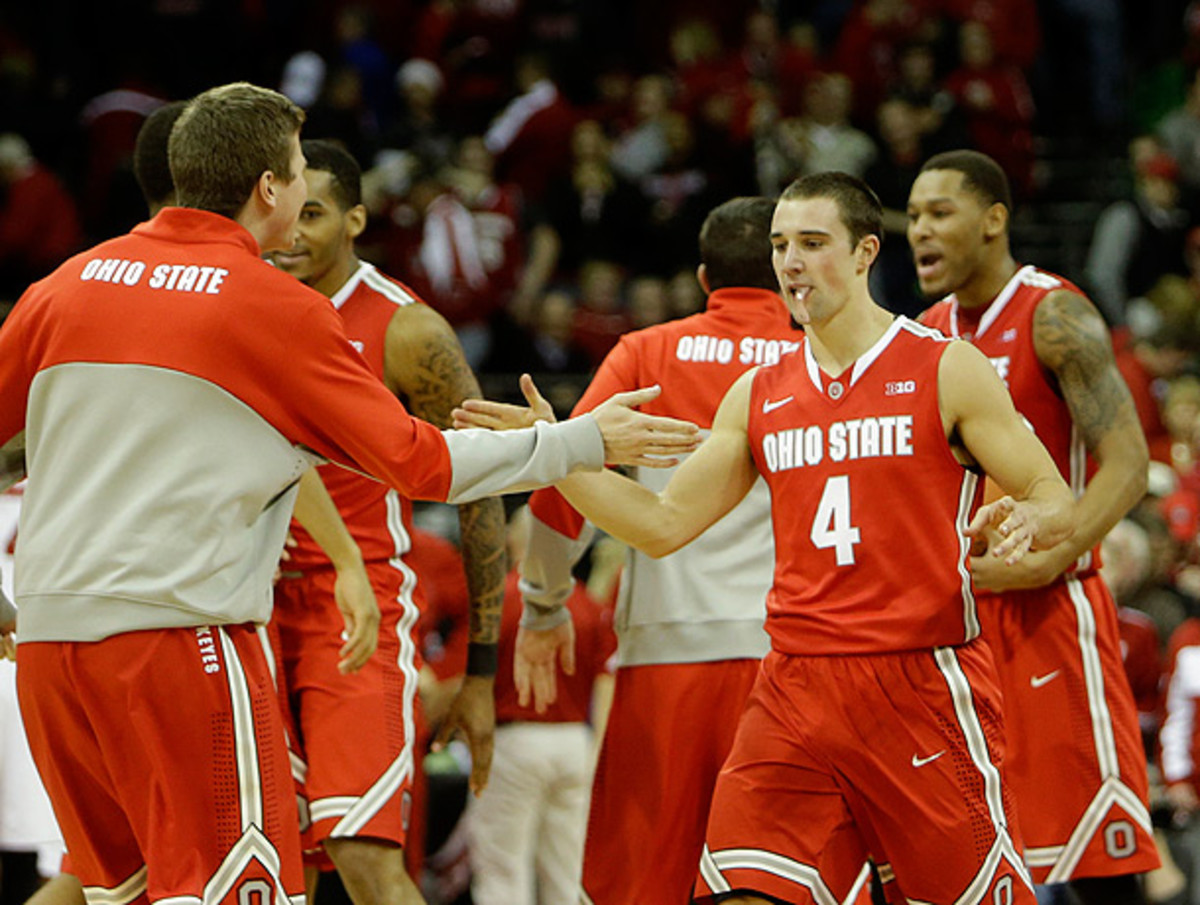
(634, 438)
(501, 416)
(535, 663)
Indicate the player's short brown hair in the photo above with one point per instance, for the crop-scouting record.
(858, 205)
(226, 139)
(735, 244)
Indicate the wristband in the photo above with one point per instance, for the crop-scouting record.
(483, 660)
(540, 618)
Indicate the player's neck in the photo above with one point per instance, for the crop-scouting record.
(839, 342)
(987, 283)
(337, 276)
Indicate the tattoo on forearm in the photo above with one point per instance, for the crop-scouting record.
(486, 563)
(1073, 342)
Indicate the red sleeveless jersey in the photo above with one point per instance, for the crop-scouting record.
(378, 518)
(1005, 335)
(868, 502)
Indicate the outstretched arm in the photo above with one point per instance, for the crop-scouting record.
(1038, 512)
(425, 364)
(707, 485)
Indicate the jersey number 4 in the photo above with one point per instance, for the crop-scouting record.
(831, 527)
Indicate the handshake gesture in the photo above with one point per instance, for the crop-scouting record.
(630, 437)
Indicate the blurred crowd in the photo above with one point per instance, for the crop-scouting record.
(538, 169)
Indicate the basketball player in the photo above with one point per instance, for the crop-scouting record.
(359, 786)
(164, 391)
(1051, 621)
(874, 727)
(690, 625)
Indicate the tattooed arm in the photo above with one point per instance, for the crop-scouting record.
(1072, 342)
(424, 363)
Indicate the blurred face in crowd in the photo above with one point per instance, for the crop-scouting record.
(323, 251)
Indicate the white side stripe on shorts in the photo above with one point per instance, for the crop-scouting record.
(122, 894)
(244, 739)
(968, 721)
(713, 864)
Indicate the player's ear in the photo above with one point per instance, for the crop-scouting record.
(356, 221)
(866, 252)
(265, 190)
(702, 279)
(995, 221)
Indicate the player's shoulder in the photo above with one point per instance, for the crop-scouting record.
(938, 313)
(916, 330)
(368, 283)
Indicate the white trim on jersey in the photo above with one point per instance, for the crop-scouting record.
(348, 288)
(861, 364)
(1000, 303)
(121, 894)
(244, 738)
(393, 292)
(712, 865)
(867, 359)
(966, 498)
(916, 328)
(968, 721)
(368, 274)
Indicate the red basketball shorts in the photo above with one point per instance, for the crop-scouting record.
(669, 730)
(355, 733)
(896, 757)
(163, 753)
(1076, 765)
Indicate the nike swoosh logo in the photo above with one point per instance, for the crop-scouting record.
(769, 406)
(1039, 681)
(922, 761)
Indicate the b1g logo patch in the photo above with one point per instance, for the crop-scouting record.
(899, 387)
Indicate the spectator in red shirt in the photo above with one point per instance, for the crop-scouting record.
(994, 96)
(39, 220)
(600, 318)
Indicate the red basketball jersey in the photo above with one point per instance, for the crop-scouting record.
(378, 518)
(1005, 335)
(868, 501)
